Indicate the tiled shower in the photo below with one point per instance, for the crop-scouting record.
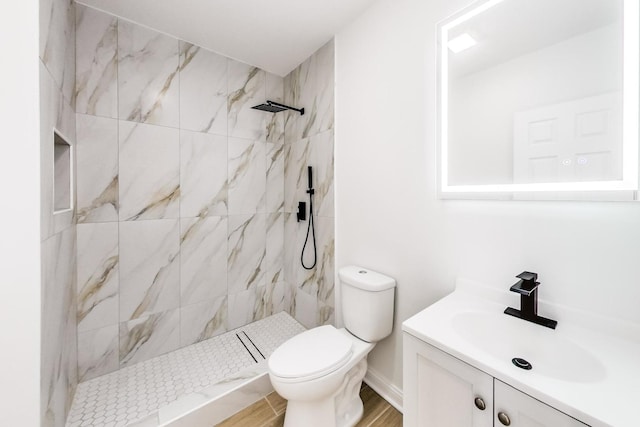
(184, 224)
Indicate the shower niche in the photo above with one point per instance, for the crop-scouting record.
(62, 174)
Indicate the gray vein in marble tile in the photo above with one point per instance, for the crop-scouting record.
(323, 188)
(275, 278)
(46, 52)
(255, 275)
(160, 201)
(87, 299)
(243, 93)
(326, 288)
(216, 322)
(194, 229)
(300, 162)
(308, 282)
(108, 196)
(242, 166)
(273, 128)
(279, 152)
(153, 291)
(137, 337)
(310, 121)
(325, 313)
(237, 249)
(220, 197)
(144, 115)
(291, 310)
(101, 365)
(273, 221)
(148, 51)
(189, 53)
(280, 206)
(266, 300)
(209, 124)
(102, 86)
(108, 75)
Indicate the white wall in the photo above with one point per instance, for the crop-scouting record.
(388, 217)
(20, 207)
(481, 138)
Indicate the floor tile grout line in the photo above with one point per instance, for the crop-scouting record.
(271, 406)
(379, 415)
(275, 415)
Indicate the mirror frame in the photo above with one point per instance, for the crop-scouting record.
(625, 189)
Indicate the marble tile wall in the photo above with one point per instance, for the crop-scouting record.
(59, 375)
(309, 141)
(186, 195)
(181, 211)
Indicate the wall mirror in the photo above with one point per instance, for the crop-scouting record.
(538, 99)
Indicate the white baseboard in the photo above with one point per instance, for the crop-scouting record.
(384, 388)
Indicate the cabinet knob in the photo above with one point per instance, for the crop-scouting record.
(504, 419)
(480, 403)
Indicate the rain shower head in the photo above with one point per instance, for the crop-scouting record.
(275, 107)
(268, 107)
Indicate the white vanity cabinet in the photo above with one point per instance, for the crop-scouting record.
(523, 410)
(443, 391)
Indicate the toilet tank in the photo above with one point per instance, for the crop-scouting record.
(367, 302)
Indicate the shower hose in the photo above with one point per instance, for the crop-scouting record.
(310, 230)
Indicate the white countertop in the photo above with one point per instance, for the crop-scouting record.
(607, 395)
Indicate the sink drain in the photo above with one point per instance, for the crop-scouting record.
(521, 363)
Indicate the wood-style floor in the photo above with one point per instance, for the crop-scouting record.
(269, 412)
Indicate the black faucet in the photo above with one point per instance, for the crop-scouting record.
(527, 287)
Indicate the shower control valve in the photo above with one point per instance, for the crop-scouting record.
(302, 211)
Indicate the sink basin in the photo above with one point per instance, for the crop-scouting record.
(550, 354)
(587, 367)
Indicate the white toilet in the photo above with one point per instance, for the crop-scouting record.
(320, 371)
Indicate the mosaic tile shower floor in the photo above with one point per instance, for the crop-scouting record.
(122, 397)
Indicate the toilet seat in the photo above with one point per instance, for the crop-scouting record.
(311, 354)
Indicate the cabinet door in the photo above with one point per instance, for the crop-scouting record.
(525, 411)
(440, 390)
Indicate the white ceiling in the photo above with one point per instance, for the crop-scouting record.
(275, 35)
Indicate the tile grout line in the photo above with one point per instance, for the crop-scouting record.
(379, 415)
(271, 406)
(269, 421)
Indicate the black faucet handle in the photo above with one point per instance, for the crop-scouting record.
(528, 276)
(525, 287)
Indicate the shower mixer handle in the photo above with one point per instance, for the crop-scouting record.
(302, 212)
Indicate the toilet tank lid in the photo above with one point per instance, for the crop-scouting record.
(366, 279)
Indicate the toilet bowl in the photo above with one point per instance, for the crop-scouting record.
(320, 371)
